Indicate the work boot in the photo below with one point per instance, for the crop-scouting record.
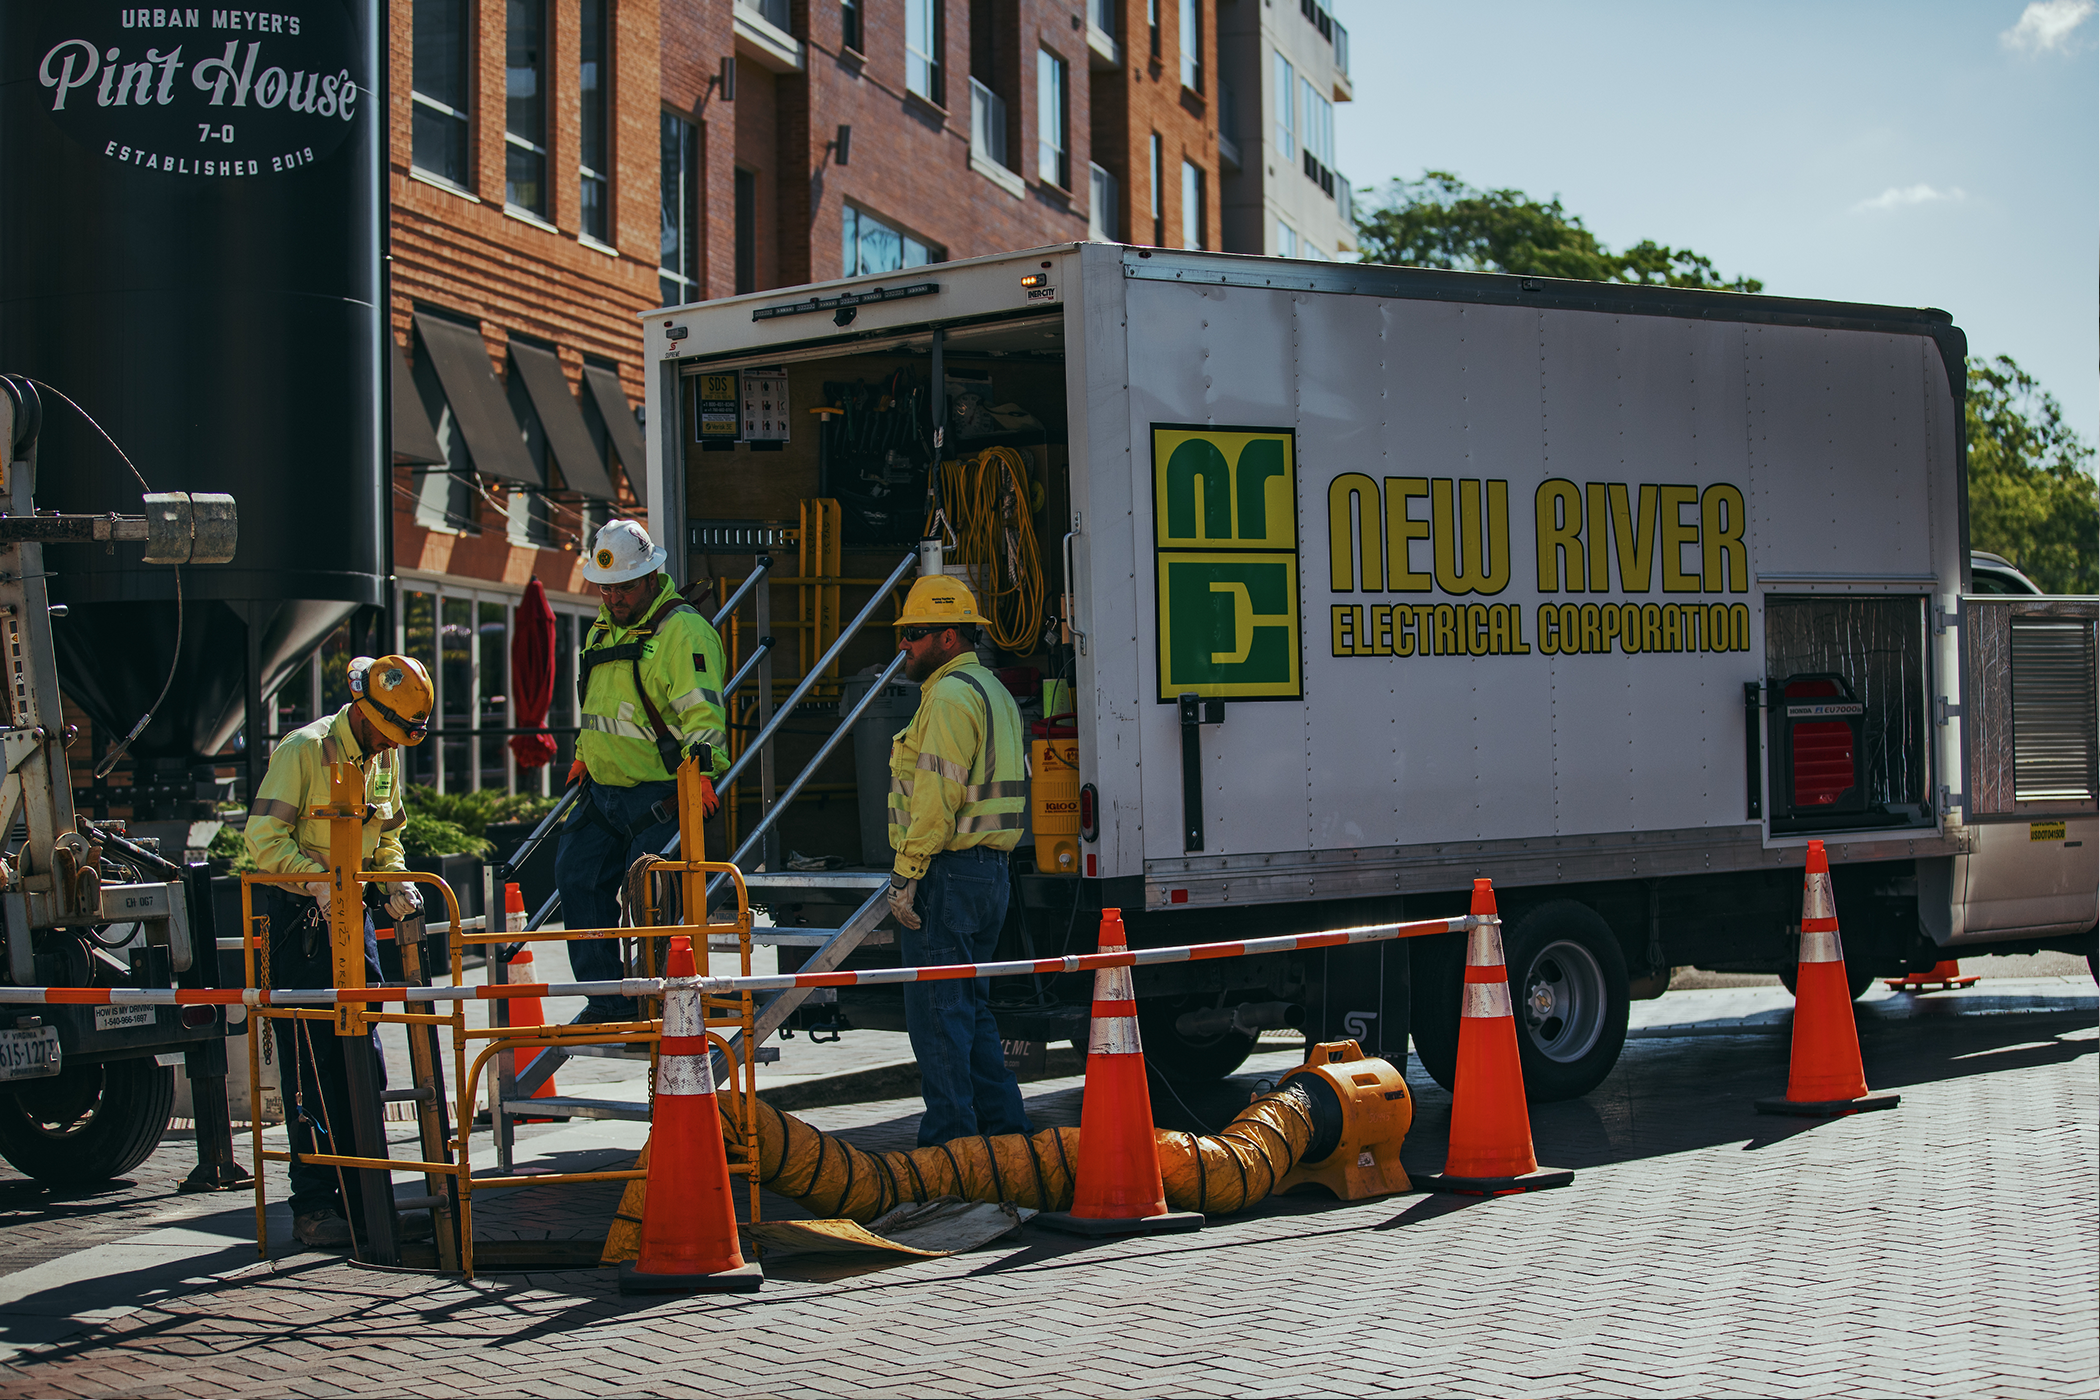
(599, 1013)
(322, 1229)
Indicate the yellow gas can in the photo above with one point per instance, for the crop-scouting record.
(1053, 804)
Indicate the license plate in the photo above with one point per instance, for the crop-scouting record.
(29, 1054)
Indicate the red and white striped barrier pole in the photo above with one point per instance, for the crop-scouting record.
(656, 986)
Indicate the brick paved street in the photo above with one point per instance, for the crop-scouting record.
(1947, 1248)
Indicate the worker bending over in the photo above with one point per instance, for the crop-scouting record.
(651, 679)
(391, 708)
(958, 791)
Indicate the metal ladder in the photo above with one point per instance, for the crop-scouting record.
(515, 1087)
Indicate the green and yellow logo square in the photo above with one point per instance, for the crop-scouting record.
(1225, 524)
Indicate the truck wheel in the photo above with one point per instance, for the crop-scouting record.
(87, 1122)
(1435, 986)
(1188, 1059)
(1857, 978)
(1567, 985)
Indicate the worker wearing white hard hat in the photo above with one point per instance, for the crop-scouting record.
(651, 676)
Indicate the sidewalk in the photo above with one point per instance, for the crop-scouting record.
(1949, 1247)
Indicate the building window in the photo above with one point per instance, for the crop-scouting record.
(1286, 89)
(1191, 45)
(1102, 15)
(1191, 205)
(1159, 192)
(1316, 133)
(1152, 23)
(594, 86)
(1052, 162)
(987, 123)
(922, 48)
(849, 25)
(867, 244)
(440, 99)
(678, 281)
(1102, 219)
(525, 106)
(1286, 240)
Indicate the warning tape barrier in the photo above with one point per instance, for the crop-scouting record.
(657, 986)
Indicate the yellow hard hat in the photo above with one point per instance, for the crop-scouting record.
(939, 599)
(395, 695)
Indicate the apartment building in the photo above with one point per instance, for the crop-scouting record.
(1156, 112)
(1285, 64)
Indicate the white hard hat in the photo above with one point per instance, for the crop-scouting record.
(623, 552)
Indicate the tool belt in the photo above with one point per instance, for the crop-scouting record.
(667, 746)
(658, 813)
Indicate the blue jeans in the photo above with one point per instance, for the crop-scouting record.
(962, 1068)
(592, 864)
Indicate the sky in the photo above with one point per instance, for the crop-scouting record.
(1924, 153)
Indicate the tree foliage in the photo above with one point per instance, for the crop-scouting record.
(2032, 496)
(1441, 221)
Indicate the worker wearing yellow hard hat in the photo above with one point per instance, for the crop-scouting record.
(958, 802)
(651, 677)
(389, 708)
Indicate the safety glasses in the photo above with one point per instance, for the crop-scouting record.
(919, 634)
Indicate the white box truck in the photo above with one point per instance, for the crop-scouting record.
(1379, 580)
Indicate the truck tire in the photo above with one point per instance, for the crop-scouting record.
(1187, 1059)
(1438, 970)
(1567, 985)
(1857, 978)
(87, 1122)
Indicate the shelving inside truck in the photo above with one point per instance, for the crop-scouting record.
(821, 457)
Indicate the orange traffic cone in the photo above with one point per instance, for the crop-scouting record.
(1490, 1152)
(1117, 1190)
(688, 1238)
(1946, 975)
(524, 1011)
(1826, 1079)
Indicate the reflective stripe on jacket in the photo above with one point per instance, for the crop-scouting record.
(958, 771)
(681, 670)
(282, 838)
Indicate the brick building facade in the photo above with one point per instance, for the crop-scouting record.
(560, 166)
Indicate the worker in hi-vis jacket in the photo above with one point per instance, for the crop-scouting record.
(958, 801)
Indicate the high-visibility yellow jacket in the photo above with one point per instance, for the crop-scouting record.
(958, 771)
(682, 672)
(282, 838)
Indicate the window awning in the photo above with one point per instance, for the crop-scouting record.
(626, 434)
(477, 401)
(413, 440)
(567, 437)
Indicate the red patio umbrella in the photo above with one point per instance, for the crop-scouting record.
(532, 675)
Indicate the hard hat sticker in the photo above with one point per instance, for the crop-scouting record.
(394, 676)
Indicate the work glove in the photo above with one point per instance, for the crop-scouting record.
(902, 894)
(403, 899)
(709, 803)
(321, 892)
(578, 772)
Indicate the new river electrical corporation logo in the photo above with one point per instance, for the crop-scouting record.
(201, 93)
(1225, 524)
